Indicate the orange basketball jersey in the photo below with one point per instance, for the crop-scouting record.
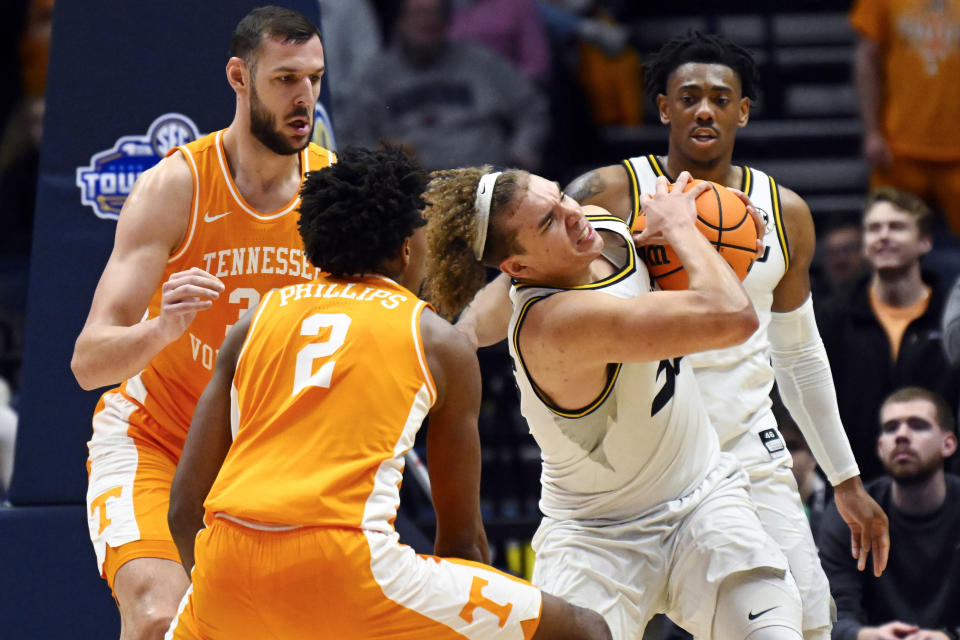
(250, 251)
(330, 390)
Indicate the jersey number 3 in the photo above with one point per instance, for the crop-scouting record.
(671, 369)
(305, 376)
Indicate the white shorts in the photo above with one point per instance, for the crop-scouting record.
(670, 560)
(773, 490)
(128, 491)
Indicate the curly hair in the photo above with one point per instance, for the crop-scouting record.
(356, 213)
(454, 275)
(699, 47)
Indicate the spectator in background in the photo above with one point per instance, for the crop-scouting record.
(907, 64)
(886, 333)
(917, 596)
(452, 103)
(351, 39)
(20, 140)
(594, 49)
(512, 28)
(19, 165)
(569, 19)
(841, 258)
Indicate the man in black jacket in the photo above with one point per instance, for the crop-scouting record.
(886, 333)
(917, 596)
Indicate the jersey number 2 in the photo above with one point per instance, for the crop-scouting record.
(305, 376)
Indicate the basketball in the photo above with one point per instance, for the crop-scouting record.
(723, 219)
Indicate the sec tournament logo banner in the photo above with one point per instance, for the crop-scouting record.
(323, 128)
(106, 182)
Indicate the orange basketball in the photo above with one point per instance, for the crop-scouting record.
(723, 219)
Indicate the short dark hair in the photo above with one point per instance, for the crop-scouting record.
(903, 201)
(356, 213)
(706, 48)
(907, 394)
(269, 22)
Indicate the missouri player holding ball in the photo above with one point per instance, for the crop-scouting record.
(703, 86)
(724, 219)
(643, 513)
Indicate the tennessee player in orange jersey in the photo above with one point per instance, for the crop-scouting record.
(203, 235)
(295, 454)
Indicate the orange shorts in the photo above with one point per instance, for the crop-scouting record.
(128, 490)
(324, 582)
(938, 183)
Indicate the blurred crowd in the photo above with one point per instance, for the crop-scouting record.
(530, 83)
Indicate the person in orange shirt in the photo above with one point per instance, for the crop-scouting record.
(202, 236)
(906, 65)
(295, 454)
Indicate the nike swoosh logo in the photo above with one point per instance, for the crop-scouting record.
(209, 218)
(754, 616)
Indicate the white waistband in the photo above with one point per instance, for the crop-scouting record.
(261, 526)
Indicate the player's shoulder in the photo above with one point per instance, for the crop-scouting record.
(600, 179)
(439, 334)
(795, 210)
(157, 211)
(171, 177)
(607, 187)
(449, 353)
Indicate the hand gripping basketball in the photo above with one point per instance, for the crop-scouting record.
(723, 218)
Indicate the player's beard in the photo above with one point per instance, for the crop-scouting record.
(263, 129)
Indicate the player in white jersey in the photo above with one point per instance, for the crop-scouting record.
(643, 513)
(703, 86)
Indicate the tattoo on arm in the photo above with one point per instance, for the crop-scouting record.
(585, 187)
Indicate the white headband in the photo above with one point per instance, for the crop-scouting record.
(482, 207)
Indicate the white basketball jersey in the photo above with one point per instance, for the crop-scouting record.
(735, 382)
(645, 439)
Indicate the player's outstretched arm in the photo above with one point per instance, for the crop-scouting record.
(485, 320)
(806, 385)
(205, 449)
(453, 442)
(114, 344)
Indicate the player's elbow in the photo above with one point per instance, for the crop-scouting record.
(466, 542)
(735, 325)
(182, 518)
(85, 374)
(474, 552)
(746, 323)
